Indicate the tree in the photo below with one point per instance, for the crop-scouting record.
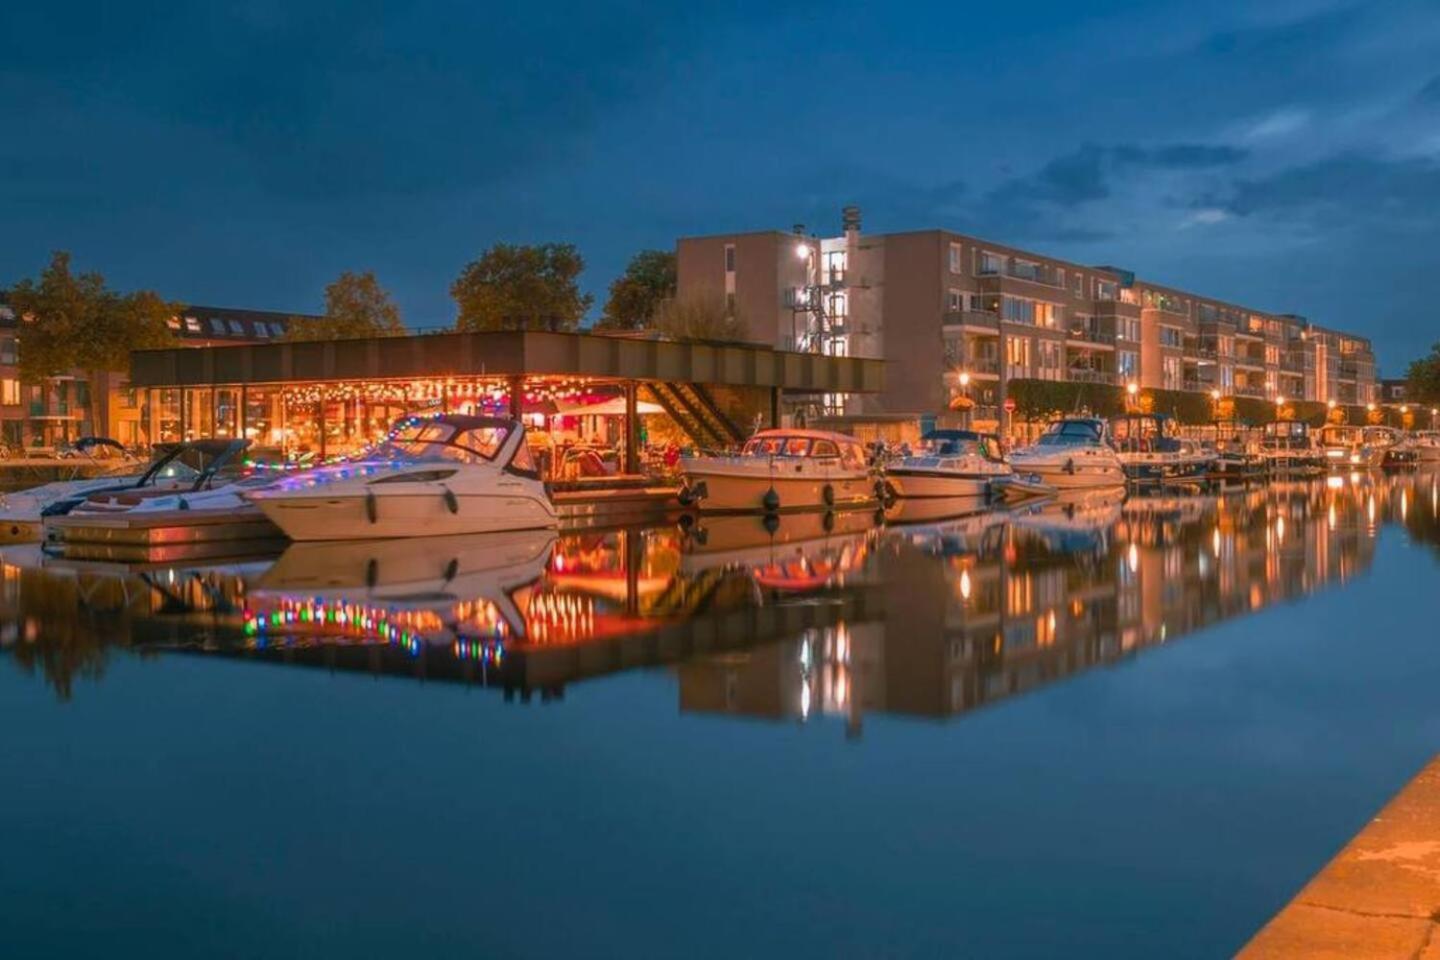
(635, 295)
(355, 306)
(521, 288)
(1423, 379)
(71, 322)
(702, 315)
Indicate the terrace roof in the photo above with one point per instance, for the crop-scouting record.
(508, 353)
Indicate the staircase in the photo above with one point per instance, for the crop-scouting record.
(690, 406)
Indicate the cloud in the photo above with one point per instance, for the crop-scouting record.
(1345, 190)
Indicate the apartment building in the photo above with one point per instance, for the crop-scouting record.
(59, 409)
(958, 316)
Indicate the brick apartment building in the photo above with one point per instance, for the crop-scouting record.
(953, 314)
(42, 415)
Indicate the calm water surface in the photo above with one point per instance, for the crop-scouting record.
(1101, 728)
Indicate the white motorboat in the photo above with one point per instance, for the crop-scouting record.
(955, 464)
(782, 470)
(1151, 449)
(1392, 447)
(448, 474)
(1344, 447)
(1072, 454)
(1427, 446)
(197, 477)
(110, 465)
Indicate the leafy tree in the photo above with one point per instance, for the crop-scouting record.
(648, 281)
(71, 321)
(521, 288)
(702, 315)
(1423, 379)
(355, 306)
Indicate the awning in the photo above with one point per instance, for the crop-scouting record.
(614, 407)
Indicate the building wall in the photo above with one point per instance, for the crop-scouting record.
(935, 304)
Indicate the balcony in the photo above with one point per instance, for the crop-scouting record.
(1029, 272)
(989, 365)
(1086, 335)
(1246, 391)
(1083, 375)
(972, 318)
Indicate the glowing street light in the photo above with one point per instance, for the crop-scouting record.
(1215, 395)
(1330, 404)
(802, 250)
(964, 378)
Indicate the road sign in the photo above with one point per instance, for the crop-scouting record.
(1009, 405)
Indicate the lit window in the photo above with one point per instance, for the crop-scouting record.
(192, 324)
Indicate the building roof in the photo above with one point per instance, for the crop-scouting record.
(506, 353)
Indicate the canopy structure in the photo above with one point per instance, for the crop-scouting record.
(614, 407)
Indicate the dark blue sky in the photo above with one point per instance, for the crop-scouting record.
(1282, 154)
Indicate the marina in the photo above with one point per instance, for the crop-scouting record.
(916, 636)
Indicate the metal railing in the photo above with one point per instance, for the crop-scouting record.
(1082, 375)
(1090, 336)
(972, 318)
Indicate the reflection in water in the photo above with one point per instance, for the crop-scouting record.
(923, 616)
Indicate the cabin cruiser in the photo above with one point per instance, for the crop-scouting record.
(1427, 446)
(1072, 454)
(1288, 446)
(782, 470)
(1344, 447)
(958, 463)
(1392, 448)
(1151, 449)
(446, 474)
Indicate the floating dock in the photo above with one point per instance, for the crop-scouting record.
(163, 536)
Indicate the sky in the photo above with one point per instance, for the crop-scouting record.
(1284, 155)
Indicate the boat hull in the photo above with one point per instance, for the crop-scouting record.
(1078, 472)
(728, 491)
(361, 517)
(926, 484)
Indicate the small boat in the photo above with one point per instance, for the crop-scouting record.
(1394, 449)
(782, 470)
(1427, 446)
(191, 477)
(957, 463)
(1289, 447)
(1344, 447)
(1072, 454)
(1152, 451)
(447, 474)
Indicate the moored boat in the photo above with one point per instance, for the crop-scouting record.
(1072, 454)
(1289, 447)
(433, 476)
(1344, 447)
(951, 464)
(779, 470)
(1427, 446)
(1151, 450)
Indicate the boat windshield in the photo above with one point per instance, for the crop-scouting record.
(439, 441)
(1070, 433)
(782, 447)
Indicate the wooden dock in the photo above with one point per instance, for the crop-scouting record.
(163, 536)
(1378, 899)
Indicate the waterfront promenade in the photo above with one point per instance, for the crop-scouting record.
(1379, 898)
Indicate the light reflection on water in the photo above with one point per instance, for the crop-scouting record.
(843, 624)
(922, 614)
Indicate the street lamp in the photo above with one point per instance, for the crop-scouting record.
(1279, 406)
(965, 392)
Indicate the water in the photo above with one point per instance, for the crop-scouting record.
(1090, 729)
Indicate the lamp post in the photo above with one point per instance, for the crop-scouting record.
(965, 393)
(1131, 389)
(1279, 407)
(1404, 412)
(1434, 413)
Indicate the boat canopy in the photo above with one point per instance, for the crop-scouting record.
(803, 443)
(954, 443)
(1075, 432)
(455, 438)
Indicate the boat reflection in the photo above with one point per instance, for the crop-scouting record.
(802, 617)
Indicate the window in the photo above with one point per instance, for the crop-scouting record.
(262, 329)
(956, 264)
(1127, 328)
(1173, 371)
(1105, 289)
(192, 324)
(1079, 285)
(524, 460)
(729, 258)
(1127, 364)
(990, 264)
(825, 448)
(237, 328)
(277, 329)
(1017, 356)
(9, 392)
(954, 300)
(1051, 360)
(217, 325)
(1171, 337)
(173, 323)
(1018, 311)
(9, 351)
(835, 265)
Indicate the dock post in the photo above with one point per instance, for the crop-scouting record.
(774, 407)
(632, 452)
(517, 398)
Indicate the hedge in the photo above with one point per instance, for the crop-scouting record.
(1046, 399)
